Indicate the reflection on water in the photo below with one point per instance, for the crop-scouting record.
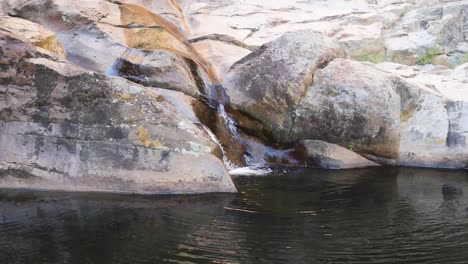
(307, 216)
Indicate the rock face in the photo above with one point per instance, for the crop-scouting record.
(330, 156)
(276, 77)
(434, 117)
(62, 127)
(122, 39)
(373, 30)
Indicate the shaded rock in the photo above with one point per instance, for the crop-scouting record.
(65, 128)
(269, 83)
(330, 156)
(390, 113)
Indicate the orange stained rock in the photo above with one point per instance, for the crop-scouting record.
(148, 31)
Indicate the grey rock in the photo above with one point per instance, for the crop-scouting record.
(269, 83)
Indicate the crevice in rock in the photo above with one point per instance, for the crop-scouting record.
(194, 72)
(252, 31)
(309, 82)
(225, 39)
(329, 18)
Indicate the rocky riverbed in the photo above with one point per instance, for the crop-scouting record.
(168, 96)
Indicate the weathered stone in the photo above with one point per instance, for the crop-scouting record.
(269, 83)
(71, 129)
(37, 34)
(330, 156)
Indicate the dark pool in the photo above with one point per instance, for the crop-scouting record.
(304, 216)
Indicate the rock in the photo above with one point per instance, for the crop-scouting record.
(65, 128)
(159, 69)
(220, 54)
(362, 40)
(103, 36)
(37, 34)
(330, 156)
(269, 83)
(434, 117)
(390, 113)
(427, 31)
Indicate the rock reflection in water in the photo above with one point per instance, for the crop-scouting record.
(45, 227)
(379, 215)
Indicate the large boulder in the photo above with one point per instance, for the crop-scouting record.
(269, 83)
(66, 128)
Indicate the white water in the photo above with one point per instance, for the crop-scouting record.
(231, 124)
(227, 162)
(252, 170)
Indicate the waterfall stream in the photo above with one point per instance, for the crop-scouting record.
(227, 162)
(144, 30)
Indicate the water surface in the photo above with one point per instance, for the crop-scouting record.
(303, 216)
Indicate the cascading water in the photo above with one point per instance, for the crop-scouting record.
(231, 166)
(250, 169)
(228, 120)
(238, 148)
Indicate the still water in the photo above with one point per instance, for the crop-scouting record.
(301, 216)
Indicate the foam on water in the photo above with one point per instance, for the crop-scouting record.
(227, 162)
(255, 170)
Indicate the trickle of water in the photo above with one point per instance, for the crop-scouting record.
(231, 124)
(252, 169)
(227, 162)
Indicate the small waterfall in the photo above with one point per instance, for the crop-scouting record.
(228, 120)
(231, 166)
(250, 169)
